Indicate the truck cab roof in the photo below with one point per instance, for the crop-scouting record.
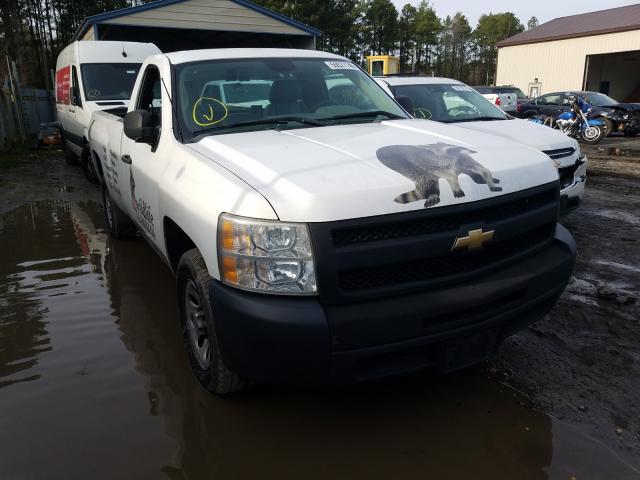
(237, 53)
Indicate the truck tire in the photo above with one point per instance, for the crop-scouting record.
(87, 165)
(70, 157)
(120, 226)
(198, 326)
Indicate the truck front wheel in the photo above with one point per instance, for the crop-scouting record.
(87, 165)
(120, 226)
(198, 326)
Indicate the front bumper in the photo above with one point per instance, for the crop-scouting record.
(288, 340)
(631, 124)
(571, 196)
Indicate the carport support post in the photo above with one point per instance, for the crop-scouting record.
(586, 73)
(14, 98)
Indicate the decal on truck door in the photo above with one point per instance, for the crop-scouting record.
(425, 165)
(142, 210)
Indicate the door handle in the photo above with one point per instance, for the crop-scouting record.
(126, 159)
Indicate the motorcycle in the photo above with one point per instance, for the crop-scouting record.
(577, 124)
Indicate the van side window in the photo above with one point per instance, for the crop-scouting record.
(75, 94)
(150, 97)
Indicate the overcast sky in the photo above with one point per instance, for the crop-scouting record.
(545, 10)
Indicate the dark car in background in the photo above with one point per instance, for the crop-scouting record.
(618, 117)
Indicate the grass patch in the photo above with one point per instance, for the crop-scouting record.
(11, 158)
(8, 160)
(18, 153)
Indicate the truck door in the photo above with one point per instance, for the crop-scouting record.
(145, 165)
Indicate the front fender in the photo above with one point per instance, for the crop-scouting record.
(595, 122)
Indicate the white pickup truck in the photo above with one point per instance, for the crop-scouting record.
(506, 101)
(450, 101)
(318, 233)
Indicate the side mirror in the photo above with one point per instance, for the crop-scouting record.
(406, 103)
(138, 126)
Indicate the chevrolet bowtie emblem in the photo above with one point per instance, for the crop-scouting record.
(474, 240)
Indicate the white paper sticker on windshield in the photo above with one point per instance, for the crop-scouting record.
(338, 65)
(461, 88)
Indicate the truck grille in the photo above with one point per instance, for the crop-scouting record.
(422, 226)
(436, 267)
(396, 254)
(560, 153)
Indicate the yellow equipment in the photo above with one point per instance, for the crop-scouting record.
(378, 65)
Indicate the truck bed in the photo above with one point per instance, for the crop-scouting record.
(105, 135)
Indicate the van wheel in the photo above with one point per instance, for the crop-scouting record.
(87, 165)
(119, 225)
(198, 326)
(70, 157)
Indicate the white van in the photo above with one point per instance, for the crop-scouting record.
(94, 76)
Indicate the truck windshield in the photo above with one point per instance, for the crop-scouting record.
(240, 95)
(449, 103)
(108, 81)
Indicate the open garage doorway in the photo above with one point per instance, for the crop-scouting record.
(614, 74)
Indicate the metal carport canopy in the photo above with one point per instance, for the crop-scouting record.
(189, 24)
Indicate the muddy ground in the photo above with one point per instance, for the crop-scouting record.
(582, 362)
(94, 381)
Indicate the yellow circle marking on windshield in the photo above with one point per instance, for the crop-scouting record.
(207, 115)
(422, 113)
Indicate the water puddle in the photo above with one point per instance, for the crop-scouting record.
(94, 383)
(619, 152)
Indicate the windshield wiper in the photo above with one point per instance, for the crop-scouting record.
(474, 119)
(277, 121)
(368, 113)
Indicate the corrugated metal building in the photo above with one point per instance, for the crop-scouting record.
(597, 51)
(189, 24)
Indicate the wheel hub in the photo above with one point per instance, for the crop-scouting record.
(196, 325)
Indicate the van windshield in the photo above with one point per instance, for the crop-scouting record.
(240, 95)
(108, 81)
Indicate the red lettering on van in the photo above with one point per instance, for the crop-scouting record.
(63, 83)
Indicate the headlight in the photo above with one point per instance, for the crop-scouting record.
(266, 256)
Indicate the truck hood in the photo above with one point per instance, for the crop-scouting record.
(351, 171)
(626, 107)
(531, 134)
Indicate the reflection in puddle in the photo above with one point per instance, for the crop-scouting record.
(93, 324)
(620, 152)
